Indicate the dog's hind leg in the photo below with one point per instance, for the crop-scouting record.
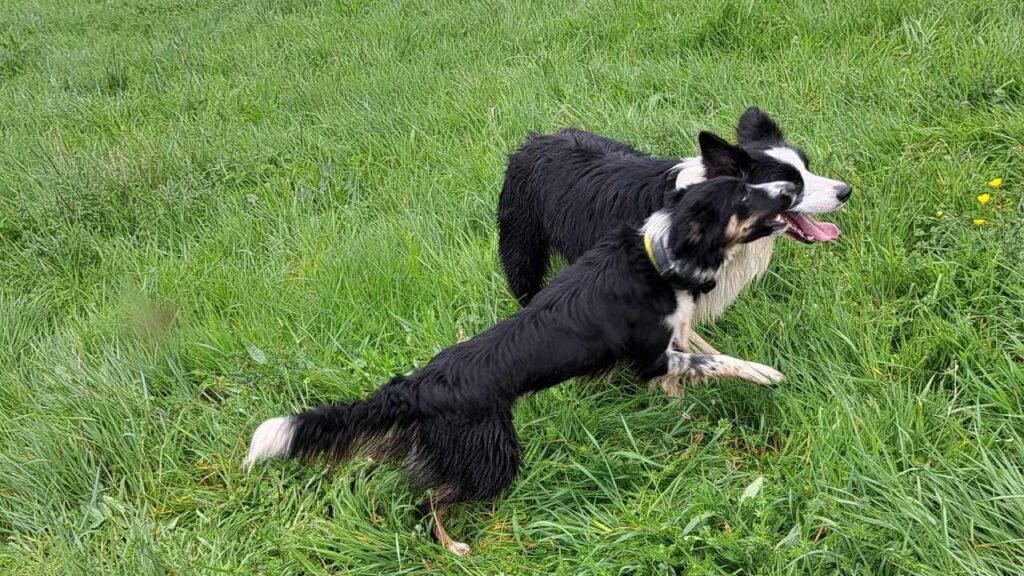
(437, 511)
(523, 245)
(463, 458)
(435, 507)
(703, 366)
(524, 255)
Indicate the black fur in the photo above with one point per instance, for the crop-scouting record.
(451, 420)
(563, 192)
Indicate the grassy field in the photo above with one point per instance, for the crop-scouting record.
(215, 211)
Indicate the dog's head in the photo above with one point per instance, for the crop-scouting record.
(704, 223)
(722, 213)
(763, 156)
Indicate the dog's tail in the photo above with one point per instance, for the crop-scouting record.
(378, 426)
(522, 240)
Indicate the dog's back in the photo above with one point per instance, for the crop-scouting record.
(563, 192)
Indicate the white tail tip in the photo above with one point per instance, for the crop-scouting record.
(273, 439)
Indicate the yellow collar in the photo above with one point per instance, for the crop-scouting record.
(649, 249)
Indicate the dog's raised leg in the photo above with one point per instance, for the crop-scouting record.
(700, 366)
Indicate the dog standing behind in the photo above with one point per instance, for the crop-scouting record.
(563, 192)
(451, 420)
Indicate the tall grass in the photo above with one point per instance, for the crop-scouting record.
(214, 212)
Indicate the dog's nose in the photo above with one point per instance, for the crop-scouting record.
(843, 192)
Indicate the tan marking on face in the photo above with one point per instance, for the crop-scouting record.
(737, 230)
(733, 229)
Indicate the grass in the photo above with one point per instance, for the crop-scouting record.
(212, 212)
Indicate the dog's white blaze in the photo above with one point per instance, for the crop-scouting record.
(272, 439)
(819, 193)
(775, 188)
(691, 171)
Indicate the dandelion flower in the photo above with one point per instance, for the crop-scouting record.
(978, 221)
(995, 183)
(984, 198)
(939, 213)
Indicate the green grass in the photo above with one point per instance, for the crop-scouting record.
(181, 179)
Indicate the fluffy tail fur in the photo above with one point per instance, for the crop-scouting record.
(378, 426)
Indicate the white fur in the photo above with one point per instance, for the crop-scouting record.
(272, 439)
(691, 171)
(819, 193)
(775, 188)
(682, 314)
(458, 548)
(749, 262)
(657, 224)
(717, 366)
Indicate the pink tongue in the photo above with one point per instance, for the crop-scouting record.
(817, 231)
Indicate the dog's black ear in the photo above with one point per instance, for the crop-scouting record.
(755, 125)
(721, 158)
(699, 221)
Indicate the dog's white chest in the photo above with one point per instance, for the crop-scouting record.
(748, 263)
(682, 315)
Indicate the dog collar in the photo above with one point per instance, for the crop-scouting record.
(657, 253)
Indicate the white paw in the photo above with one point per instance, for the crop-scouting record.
(459, 548)
(760, 374)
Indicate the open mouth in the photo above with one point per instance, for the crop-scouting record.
(808, 230)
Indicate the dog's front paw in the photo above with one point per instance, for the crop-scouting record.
(760, 374)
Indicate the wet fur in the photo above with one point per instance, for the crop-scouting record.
(565, 191)
(450, 421)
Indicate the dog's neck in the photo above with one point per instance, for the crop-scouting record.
(689, 171)
(681, 273)
(657, 251)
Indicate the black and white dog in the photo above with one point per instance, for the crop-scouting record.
(623, 301)
(563, 192)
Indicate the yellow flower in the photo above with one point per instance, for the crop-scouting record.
(984, 198)
(995, 183)
(939, 213)
(978, 221)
